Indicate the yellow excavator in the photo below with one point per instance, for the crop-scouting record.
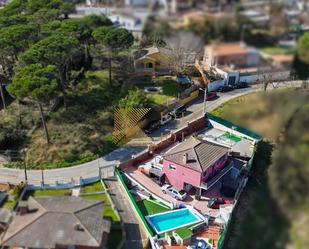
(200, 66)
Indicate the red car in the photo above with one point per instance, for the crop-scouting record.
(211, 96)
(215, 203)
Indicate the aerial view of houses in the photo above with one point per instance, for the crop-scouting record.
(133, 124)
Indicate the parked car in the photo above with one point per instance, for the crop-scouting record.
(215, 203)
(153, 126)
(173, 192)
(177, 111)
(225, 88)
(241, 85)
(158, 123)
(211, 96)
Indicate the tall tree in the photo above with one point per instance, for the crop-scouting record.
(78, 29)
(303, 48)
(301, 62)
(36, 83)
(13, 8)
(95, 21)
(65, 7)
(13, 40)
(114, 40)
(59, 49)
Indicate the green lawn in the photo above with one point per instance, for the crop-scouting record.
(149, 207)
(91, 188)
(232, 137)
(97, 187)
(158, 99)
(170, 88)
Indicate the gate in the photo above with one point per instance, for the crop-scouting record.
(107, 171)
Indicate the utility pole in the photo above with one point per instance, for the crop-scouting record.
(204, 100)
(42, 175)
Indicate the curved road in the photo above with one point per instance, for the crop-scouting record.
(91, 169)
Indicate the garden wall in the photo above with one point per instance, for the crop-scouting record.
(192, 127)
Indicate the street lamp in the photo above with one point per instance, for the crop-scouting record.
(25, 163)
(204, 103)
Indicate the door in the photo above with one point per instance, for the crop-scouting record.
(149, 65)
(232, 80)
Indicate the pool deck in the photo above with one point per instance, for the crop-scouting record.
(150, 220)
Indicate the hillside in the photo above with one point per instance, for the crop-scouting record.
(273, 210)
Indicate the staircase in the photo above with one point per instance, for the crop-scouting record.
(212, 232)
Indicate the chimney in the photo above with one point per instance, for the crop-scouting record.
(185, 158)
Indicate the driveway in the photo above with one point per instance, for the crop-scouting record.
(136, 236)
(90, 169)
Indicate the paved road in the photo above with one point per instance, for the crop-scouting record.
(195, 109)
(66, 175)
(136, 236)
(90, 169)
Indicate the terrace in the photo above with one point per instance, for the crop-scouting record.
(240, 146)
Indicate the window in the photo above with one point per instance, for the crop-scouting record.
(171, 167)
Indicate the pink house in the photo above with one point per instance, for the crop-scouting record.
(193, 162)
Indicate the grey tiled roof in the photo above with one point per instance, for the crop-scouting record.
(56, 224)
(65, 204)
(201, 155)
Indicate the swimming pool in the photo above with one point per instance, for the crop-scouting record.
(172, 220)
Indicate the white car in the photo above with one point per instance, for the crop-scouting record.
(173, 192)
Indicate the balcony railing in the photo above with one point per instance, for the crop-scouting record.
(217, 177)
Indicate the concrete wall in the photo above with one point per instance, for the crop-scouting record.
(260, 77)
(231, 131)
(213, 86)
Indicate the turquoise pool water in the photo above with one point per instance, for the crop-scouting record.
(171, 220)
